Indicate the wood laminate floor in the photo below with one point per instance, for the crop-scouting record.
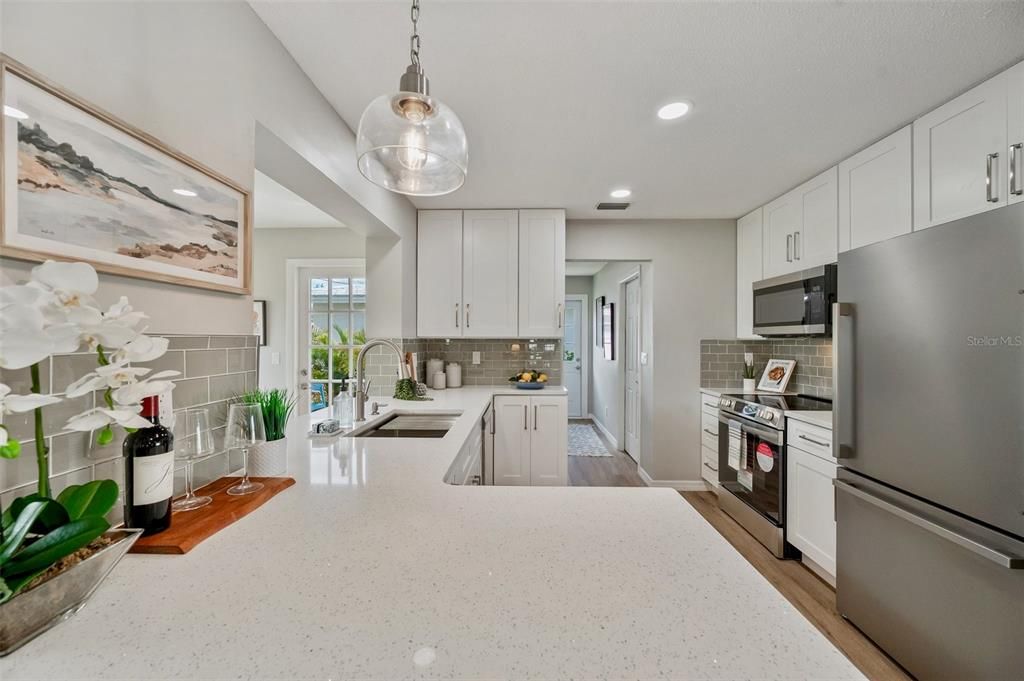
(617, 470)
(810, 595)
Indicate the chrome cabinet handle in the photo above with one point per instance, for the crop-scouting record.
(994, 554)
(526, 416)
(456, 315)
(535, 417)
(710, 467)
(710, 432)
(789, 246)
(559, 314)
(796, 245)
(811, 439)
(467, 315)
(842, 380)
(1016, 153)
(990, 195)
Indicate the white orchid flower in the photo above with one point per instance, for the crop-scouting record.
(17, 404)
(26, 339)
(70, 284)
(109, 376)
(132, 393)
(142, 349)
(101, 417)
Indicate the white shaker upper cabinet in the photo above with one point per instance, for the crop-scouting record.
(541, 273)
(800, 227)
(749, 268)
(1015, 128)
(439, 274)
(960, 156)
(876, 192)
(817, 240)
(490, 273)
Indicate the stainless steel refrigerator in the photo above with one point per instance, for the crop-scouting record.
(929, 388)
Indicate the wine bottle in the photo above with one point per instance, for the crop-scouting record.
(149, 473)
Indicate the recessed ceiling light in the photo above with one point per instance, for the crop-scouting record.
(14, 113)
(620, 193)
(185, 192)
(674, 110)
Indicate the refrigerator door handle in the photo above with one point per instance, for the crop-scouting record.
(842, 380)
(995, 555)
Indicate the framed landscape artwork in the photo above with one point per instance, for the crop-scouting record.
(608, 330)
(78, 184)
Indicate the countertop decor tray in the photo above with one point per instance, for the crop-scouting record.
(188, 528)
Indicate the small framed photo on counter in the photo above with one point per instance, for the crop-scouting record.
(776, 375)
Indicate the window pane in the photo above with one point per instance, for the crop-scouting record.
(317, 396)
(359, 294)
(318, 329)
(340, 370)
(358, 328)
(339, 294)
(318, 295)
(318, 363)
(339, 329)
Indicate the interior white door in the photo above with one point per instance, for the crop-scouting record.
(954, 148)
(573, 346)
(332, 329)
(490, 273)
(632, 365)
(549, 441)
(439, 274)
(512, 440)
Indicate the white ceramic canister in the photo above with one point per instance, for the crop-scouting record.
(434, 366)
(453, 375)
(439, 381)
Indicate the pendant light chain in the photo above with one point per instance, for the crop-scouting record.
(414, 39)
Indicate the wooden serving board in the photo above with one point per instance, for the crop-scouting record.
(188, 528)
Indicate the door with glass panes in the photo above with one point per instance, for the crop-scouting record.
(333, 330)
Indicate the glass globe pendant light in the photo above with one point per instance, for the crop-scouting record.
(409, 142)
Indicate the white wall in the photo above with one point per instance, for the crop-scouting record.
(201, 76)
(693, 285)
(272, 247)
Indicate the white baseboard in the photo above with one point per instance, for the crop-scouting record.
(605, 431)
(680, 485)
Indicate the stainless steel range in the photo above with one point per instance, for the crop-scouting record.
(752, 465)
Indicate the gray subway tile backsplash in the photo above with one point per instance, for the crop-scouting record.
(214, 370)
(721, 362)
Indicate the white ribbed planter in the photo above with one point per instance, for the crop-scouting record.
(749, 386)
(269, 459)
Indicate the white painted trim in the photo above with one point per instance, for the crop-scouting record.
(585, 343)
(605, 431)
(680, 485)
(291, 339)
(634, 275)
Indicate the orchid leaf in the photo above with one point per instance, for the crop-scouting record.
(52, 516)
(19, 528)
(94, 498)
(63, 541)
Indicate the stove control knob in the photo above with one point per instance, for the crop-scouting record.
(770, 416)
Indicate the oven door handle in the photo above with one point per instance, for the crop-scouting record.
(776, 437)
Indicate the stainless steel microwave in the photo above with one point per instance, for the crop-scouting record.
(797, 304)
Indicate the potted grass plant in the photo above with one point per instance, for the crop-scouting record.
(749, 374)
(55, 549)
(270, 458)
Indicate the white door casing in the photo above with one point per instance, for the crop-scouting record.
(576, 345)
(631, 362)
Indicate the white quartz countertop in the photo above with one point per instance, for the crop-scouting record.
(371, 567)
(817, 418)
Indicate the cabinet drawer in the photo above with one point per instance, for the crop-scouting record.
(709, 465)
(709, 431)
(709, 403)
(810, 438)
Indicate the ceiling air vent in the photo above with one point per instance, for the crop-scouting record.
(613, 205)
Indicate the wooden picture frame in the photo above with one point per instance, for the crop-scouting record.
(122, 200)
(776, 375)
(259, 321)
(608, 330)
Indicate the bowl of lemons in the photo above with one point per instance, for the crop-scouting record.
(529, 379)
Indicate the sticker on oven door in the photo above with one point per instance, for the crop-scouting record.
(765, 457)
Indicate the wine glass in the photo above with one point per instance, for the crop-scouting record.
(194, 441)
(245, 429)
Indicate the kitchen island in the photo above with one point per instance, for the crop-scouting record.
(372, 567)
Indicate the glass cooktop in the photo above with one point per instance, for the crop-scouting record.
(788, 402)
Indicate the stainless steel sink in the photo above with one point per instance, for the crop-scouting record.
(410, 425)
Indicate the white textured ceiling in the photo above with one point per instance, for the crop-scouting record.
(275, 207)
(558, 98)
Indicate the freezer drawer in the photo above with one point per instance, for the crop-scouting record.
(943, 596)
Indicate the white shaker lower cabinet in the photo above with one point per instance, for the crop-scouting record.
(810, 503)
(531, 440)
